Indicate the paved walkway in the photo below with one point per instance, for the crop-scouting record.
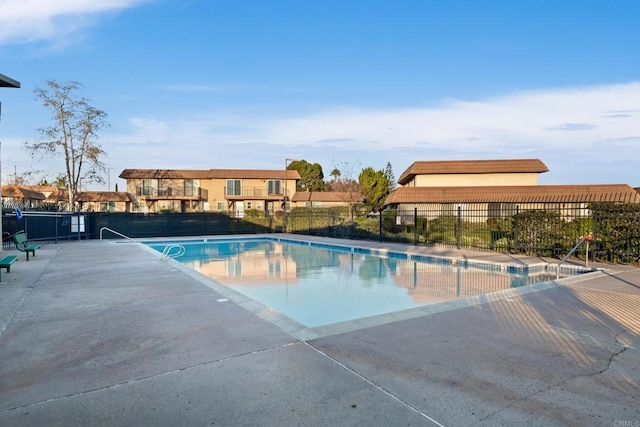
(103, 333)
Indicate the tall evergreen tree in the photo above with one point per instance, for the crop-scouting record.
(388, 172)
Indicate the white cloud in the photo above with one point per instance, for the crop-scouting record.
(144, 124)
(543, 119)
(24, 21)
(580, 133)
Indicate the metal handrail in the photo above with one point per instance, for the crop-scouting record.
(166, 253)
(115, 232)
(586, 238)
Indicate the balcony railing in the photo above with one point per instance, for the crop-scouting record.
(172, 192)
(254, 192)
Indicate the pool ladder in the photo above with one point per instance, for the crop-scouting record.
(584, 239)
(172, 251)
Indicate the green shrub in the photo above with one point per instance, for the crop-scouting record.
(542, 233)
(253, 213)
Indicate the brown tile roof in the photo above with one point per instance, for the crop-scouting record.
(325, 196)
(516, 194)
(472, 167)
(208, 174)
(17, 192)
(163, 174)
(58, 196)
(252, 174)
(105, 196)
(44, 188)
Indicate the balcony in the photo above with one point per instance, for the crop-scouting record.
(262, 193)
(173, 193)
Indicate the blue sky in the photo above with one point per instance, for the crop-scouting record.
(201, 84)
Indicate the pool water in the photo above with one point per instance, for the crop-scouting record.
(319, 285)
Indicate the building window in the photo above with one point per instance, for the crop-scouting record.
(258, 205)
(189, 187)
(149, 187)
(107, 206)
(234, 187)
(221, 206)
(249, 205)
(274, 186)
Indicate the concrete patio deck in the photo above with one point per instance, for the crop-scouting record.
(104, 333)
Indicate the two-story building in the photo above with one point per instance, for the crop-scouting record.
(472, 173)
(223, 190)
(496, 187)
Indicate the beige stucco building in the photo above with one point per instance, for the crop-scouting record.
(223, 190)
(493, 189)
(472, 173)
(324, 199)
(106, 201)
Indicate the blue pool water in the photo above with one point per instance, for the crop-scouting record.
(317, 284)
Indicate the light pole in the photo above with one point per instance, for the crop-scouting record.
(109, 179)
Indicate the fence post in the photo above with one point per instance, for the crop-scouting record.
(594, 214)
(516, 231)
(415, 226)
(459, 228)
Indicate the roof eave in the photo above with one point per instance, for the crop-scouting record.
(8, 82)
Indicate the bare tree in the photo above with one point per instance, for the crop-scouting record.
(348, 188)
(73, 135)
(24, 178)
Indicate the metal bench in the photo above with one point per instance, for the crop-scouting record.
(23, 245)
(6, 263)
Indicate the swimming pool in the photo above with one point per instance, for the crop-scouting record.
(318, 284)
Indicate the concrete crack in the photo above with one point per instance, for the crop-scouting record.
(609, 362)
(149, 377)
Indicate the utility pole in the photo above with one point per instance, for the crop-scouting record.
(109, 179)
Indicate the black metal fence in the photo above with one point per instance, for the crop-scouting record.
(549, 230)
(41, 226)
(53, 227)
